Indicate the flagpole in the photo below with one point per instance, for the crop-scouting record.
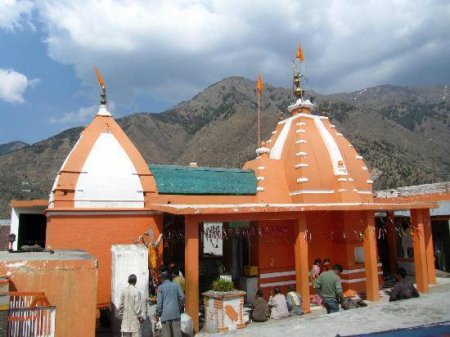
(259, 88)
(259, 119)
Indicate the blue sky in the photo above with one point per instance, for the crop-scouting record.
(154, 54)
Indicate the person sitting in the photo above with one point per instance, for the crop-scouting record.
(325, 265)
(260, 312)
(404, 288)
(294, 301)
(315, 271)
(278, 305)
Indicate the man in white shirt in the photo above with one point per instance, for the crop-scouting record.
(130, 309)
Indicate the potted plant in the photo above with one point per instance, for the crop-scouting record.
(223, 306)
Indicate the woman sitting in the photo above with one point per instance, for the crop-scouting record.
(260, 312)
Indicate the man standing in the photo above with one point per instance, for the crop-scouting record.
(330, 289)
(130, 309)
(169, 301)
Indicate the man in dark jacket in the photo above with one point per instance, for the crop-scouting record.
(404, 288)
(169, 301)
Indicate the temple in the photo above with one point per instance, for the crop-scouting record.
(306, 195)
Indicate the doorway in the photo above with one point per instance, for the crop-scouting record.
(32, 230)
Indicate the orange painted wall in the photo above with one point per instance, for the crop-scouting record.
(325, 240)
(320, 244)
(275, 251)
(70, 285)
(96, 235)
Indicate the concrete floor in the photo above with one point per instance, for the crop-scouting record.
(433, 307)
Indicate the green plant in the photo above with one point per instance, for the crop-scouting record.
(222, 285)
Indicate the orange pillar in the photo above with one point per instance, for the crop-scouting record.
(301, 261)
(429, 246)
(191, 263)
(392, 242)
(371, 257)
(420, 254)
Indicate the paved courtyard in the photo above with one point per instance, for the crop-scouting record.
(433, 307)
(430, 308)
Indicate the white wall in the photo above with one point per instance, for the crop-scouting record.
(108, 178)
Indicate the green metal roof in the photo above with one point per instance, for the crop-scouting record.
(172, 179)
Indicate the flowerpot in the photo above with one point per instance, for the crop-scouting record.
(224, 310)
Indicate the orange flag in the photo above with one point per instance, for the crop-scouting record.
(259, 84)
(300, 54)
(100, 78)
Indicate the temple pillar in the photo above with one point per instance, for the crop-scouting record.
(371, 257)
(420, 255)
(429, 246)
(301, 261)
(191, 262)
(392, 242)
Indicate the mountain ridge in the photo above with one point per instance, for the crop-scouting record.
(402, 132)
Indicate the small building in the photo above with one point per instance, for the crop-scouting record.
(28, 222)
(65, 280)
(400, 251)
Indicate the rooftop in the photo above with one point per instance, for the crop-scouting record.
(172, 179)
(40, 256)
(408, 191)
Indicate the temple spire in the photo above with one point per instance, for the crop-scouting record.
(298, 91)
(102, 111)
(302, 104)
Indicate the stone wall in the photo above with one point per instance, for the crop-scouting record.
(4, 233)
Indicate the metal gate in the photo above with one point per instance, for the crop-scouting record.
(30, 315)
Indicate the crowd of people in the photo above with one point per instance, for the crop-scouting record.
(327, 285)
(170, 298)
(279, 305)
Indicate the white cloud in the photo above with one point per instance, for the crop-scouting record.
(13, 85)
(82, 115)
(14, 13)
(170, 49)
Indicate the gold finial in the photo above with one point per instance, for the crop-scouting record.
(298, 91)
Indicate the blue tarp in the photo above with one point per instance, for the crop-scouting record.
(433, 330)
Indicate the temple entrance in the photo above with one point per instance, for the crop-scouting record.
(383, 246)
(441, 244)
(224, 251)
(224, 248)
(32, 228)
(173, 252)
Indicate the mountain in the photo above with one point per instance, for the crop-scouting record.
(402, 132)
(12, 146)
